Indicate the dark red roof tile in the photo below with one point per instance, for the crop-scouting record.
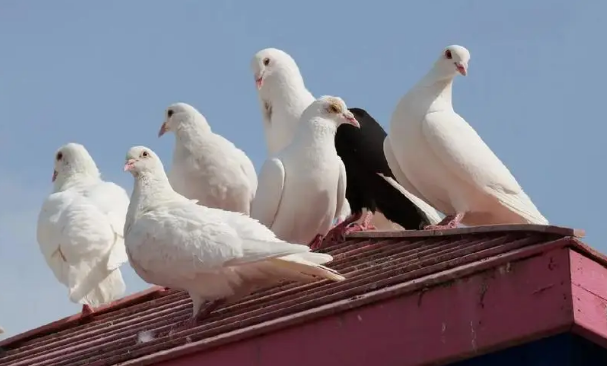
(369, 260)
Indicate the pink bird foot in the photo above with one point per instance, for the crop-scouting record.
(359, 227)
(449, 222)
(163, 289)
(316, 243)
(86, 310)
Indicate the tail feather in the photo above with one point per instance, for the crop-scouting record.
(521, 205)
(110, 289)
(431, 214)
(301, 268)
(382, 223)
(94, 284)
(309, 258)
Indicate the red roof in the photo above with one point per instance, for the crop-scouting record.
(387, 272)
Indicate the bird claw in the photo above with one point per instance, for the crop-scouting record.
(336, 235)
(86, 310)
(449, 222)
(359, 227)
(317, 242)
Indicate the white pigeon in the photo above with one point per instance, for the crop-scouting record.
(214, 255)
(436, 155)
(283, 97)
(80, 229)
(303, 184)
(206, 166)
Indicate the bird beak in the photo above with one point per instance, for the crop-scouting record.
(54, 175)
(130, 164)
(461, 68)
(259, 80)
(351, 120)
(163, 129)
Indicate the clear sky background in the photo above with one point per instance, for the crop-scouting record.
(102, 73)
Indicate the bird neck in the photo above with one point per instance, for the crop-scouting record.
(287, 90)
(150, 188)
(437, 85)
(317, 133)
(75, 179)
(192, 129)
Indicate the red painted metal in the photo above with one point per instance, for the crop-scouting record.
(589, 291)
(494, 309)
(399, 281)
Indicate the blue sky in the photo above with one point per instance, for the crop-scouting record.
(102, 73)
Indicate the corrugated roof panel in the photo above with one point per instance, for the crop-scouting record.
(370, 261)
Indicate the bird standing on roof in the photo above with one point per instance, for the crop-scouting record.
(436, 155)
(301, 186)
(214, 255)
(283, 97)
(80, 229)
(371, 184)
(206, 166)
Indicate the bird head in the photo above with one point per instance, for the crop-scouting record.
(271, 63)
(453, 60)
(335, 109)
(178, 114)
(73, 158)
(140, 159)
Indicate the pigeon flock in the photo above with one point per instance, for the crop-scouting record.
(219, 230)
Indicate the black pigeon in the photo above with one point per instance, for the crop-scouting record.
(362, 151)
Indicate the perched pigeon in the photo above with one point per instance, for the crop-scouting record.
(436, 155)
(80, 229)
(207, 167)
(283, 97)
(214, 255)
(301, 186)
(371, 184)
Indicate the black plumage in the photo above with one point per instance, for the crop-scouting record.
(362, 151)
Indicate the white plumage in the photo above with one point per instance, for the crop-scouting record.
(80, 229)
(301, 186)
(212, 254)
(206, 166)
(436, 155)
(283, 97)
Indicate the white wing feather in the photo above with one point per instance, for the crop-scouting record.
(80, 236)
(206, 240)
(343, 206)
(465, 154)
(269, 192)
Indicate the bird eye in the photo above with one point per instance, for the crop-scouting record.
(170, 113)
(145, 154)
(333, 108)
(266, 61)
(448, 54)
(59, 155)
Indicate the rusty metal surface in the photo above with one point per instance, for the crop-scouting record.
(110, 336)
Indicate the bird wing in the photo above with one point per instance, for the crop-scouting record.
(182, 240)
(341, 192)
(113, 201)
(77, 237)
(411, 192)
(247, 167)
(466, 155)
(49, 235)
(269, 192)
